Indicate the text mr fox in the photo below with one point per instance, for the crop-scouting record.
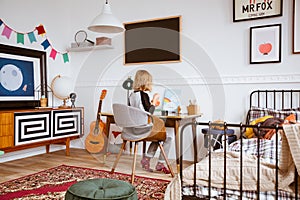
(255, 7)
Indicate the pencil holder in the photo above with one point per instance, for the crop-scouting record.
(193, 109)
(43, 102)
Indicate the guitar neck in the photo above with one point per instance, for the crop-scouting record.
(99, 111)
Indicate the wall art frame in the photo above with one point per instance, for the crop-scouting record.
(16, 62)
(265, 44)
(296, 27)
(153, 41)
(256, 9)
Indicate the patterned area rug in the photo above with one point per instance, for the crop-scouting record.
(53, 183)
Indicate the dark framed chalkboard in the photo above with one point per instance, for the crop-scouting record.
(153, 41)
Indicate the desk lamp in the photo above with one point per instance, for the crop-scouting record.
(127, 85)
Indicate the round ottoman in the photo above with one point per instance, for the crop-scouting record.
(101, 189)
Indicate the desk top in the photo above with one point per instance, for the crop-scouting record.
(169, 116)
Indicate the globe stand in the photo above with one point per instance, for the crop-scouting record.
(64, 104)
(60, 89)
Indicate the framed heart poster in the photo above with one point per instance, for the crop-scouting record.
(265, 44)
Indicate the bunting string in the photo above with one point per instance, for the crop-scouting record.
(37, 31)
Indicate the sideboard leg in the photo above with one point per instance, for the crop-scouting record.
(47, 148)
(68, 147)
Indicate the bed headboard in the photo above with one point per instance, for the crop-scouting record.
(276, 99)
(278, 103)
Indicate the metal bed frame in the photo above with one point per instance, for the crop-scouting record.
(277, 99)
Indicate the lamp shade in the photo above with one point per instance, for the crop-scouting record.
(106, 22)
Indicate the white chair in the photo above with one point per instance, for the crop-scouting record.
(137, 126)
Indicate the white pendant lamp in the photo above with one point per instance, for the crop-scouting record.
(105, 22)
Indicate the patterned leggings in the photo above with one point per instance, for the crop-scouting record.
(153, 148)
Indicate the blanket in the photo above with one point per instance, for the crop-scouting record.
(249, 172)
(289, 159)
(290, 155)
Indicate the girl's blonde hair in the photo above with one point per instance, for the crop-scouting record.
(142, 81)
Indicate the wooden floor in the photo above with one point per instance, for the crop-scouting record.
(78, 157)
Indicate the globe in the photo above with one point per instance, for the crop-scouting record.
(61, 87)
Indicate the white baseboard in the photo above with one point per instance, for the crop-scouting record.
(15, 155)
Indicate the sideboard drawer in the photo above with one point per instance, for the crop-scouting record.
(6, 130)
(6, 118)
(67, 123)
(32, 127)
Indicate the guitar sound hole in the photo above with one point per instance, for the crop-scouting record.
(94, 142)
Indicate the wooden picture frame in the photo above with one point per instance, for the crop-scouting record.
(296, 27)
(256, 9)
(153, 41)
(22, 71)
(265, 44)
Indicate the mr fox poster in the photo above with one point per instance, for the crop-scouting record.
(256, 9)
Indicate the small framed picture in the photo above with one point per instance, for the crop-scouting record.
(256, 9)
(265, 44)
(296, 26)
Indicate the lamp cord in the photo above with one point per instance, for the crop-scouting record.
(106, 2)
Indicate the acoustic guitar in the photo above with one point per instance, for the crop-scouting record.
(95, 140)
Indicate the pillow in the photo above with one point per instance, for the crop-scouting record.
(291, 119)
(257, 112)
(291, 109)
(249, 131)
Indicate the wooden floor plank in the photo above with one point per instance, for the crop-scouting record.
(78, 157)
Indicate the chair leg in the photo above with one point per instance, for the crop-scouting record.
(134, 162)
(118, 157)
(166, 159)
(130, 148)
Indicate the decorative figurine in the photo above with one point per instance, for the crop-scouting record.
(73, 97)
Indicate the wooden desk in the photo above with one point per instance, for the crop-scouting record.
(172, 121)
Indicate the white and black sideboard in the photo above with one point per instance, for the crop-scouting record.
(28, 128)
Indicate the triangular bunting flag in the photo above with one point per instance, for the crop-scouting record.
(6, 32)
(31, 37)
(53, 54)
(45, 44)
(66, 57)
(41, 30)
(20, 38)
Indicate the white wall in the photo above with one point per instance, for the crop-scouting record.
(215, 67)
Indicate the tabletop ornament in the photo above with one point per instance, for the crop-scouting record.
(193, 108)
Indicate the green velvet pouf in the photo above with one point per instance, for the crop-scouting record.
(101, 189)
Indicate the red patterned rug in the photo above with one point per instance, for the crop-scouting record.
(53, 183)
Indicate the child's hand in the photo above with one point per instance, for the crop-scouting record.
(155, 101)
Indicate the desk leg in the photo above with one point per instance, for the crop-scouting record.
(177, 142)
(195, 139)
